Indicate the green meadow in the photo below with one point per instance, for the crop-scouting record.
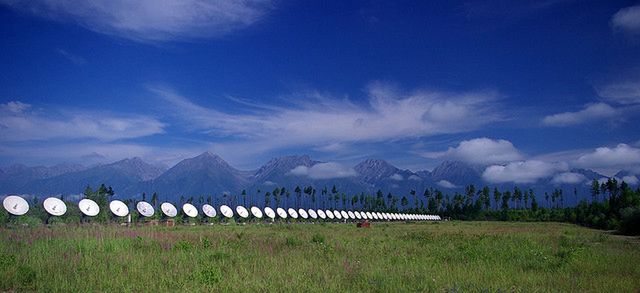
(388, 257)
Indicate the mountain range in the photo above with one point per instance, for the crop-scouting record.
(208, 174)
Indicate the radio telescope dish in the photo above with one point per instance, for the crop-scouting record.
(358, 215)
(256, 212)
(145, 208)
(330, 215)
(209, 210)
(15, 205)
(344, 215)
(169, 209)
(242, 211)
(89, 207)
(337, 214)
(190, 210)
(369, 216)
(385, 216)
(303, 214)
(364, 215)
(321, 214)
(119, 208)
(269, 212)
(226, 211)
(375, 216)
(292, 213)
(54, 206)
(282, 213)
(351, 215)
(379, 214)
(313, 214)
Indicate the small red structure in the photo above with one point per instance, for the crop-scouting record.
(364, 224)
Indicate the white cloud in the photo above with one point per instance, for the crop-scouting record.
(622, 156)
(627, 19)
(446, 184)
(14, 107)
(323, 171)
(92, 152)
(18, 124)
(316, 119)
(591, 112)
(521, 172)
(73, 58)
(150, 20)
(568, 178)
(631, 179)
(480, 151)
(415, 178)
(624, 92)
(396, 177)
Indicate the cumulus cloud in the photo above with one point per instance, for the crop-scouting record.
(621, 156)
(522, 172)
(624, 92)
(591, 112)
(627, 19)
(19, 124)
(568, 178)
(446, 184)
(631, 179)
(323, 171)
(150, 20)
(481, 151)
(396, 177)
(316, 119)
(414, 177)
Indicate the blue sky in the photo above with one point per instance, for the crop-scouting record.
(529, 85)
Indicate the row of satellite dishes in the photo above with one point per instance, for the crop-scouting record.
(18, 206)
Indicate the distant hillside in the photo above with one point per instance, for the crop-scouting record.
(209, 175)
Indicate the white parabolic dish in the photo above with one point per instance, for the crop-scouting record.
(329, 214)
(89, 207)
(209, 210)
(282, 213)
(118, 208)
(321, 214)
(54, 206)
(269, 212)
(351, 215)
(344, 214)
(169, 209)
(337, 214)
(242, 211)
(190, 210)
(292, 213)
(145, 208)
(15, 205)
(226, 211)
(256, 212)
(303, 214)
(313, 214)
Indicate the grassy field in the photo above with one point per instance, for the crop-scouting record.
(451, 256)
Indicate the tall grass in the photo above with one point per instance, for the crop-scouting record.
(460, 256)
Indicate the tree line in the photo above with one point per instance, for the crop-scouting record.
(613, 205)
